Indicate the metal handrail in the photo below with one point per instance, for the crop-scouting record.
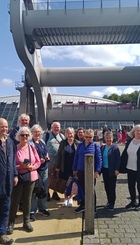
(81, 4)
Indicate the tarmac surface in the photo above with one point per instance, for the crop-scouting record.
(64, 226)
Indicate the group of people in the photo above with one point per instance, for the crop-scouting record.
(28, 154)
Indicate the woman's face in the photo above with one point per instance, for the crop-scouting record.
(70, 135)
(108, 140)
(36, 134)
(137, 134)
(24, 137)
(80, 134)
(88, 138)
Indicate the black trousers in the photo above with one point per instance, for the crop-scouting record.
(110, 186)
(23, 191)
(133, 178)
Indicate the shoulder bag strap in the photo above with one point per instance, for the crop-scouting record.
(55, 138)
(29, 152)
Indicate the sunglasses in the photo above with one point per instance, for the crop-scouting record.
(22, 135)
(88, 137)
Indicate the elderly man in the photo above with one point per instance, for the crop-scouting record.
(53, 139)
(23, 122)
(8, 178)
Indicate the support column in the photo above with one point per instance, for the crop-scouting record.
(27, 104)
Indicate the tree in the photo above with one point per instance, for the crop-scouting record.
(124, 98)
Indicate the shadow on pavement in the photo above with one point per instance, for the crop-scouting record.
(46, 238)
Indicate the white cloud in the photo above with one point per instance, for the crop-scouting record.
(99, 55)
(128, 90)
(113, 90)
(7, 82)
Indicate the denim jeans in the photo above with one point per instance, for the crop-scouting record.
(4, 212)
(38, 203)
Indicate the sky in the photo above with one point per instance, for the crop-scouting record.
(12, 69)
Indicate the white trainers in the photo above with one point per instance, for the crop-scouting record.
(70, 202)
(65, 203)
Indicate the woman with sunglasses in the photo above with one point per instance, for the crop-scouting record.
(86, 147)
(27, 161)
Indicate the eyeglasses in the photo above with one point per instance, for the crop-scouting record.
(88, 137)
(22, 135)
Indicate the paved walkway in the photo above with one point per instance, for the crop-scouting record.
(120, 227)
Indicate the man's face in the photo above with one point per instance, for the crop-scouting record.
(3, 127)
(24, 122)
(56, 128)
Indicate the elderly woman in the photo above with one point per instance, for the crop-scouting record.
(111, 164)
(27, 161)
(131, 158)
(65, 159)
(41, 148)
(86, 147)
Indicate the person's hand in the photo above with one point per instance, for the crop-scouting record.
(116, 172)
(42, 160)
(30, 167)
(24, 165)
(57, 169)
(15, 181)
(96, 175)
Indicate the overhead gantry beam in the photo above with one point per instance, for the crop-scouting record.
(102, 76)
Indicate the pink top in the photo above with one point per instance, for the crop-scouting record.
(23, 153)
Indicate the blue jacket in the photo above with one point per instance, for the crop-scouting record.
(7, 168)
(79, 157)
(114, 159)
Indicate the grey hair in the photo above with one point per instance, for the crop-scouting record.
(89, 131)
(69, 130)
(131, 133)
(37, 127)
(24, 116)
(55, 123)
(108, 133)
(23, 129)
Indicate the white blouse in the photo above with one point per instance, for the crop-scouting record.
(132, 154)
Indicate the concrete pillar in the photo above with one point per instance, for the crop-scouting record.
(27, 104)
(89, 193)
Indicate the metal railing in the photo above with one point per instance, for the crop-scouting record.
(80, 4)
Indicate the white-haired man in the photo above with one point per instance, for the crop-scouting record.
(53, 139)
(24, 121)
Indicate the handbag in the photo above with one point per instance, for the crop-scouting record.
(39, 189)
(25, 177)
(57, 184)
